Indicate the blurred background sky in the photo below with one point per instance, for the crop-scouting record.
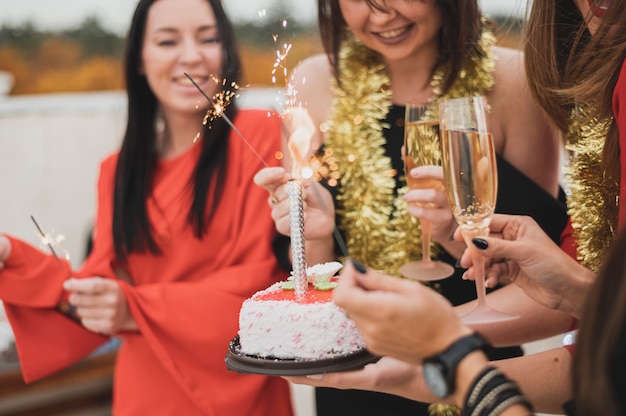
(115, 14)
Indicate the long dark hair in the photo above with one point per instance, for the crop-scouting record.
(565, 65)
(599, 369)
(458, 38)
(132, 231)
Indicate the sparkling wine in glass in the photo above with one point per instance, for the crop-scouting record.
(469, 166)
(422, 147)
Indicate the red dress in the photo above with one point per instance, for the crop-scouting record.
(185, 302)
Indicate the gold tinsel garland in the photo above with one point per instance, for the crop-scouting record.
(379, 231)
(592, 196)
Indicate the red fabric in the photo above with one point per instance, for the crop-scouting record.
(186, 302)
(568, 242)
(619, 109)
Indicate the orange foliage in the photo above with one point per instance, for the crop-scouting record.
(97, 73)
(12, 61)
(55, 53)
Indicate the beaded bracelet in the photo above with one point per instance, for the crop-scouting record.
(491, 393)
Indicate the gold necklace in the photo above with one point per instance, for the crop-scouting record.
(592, 198)
(379, 231)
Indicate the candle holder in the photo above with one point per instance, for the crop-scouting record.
(296, 222)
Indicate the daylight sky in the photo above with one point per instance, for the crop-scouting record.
(115, 14)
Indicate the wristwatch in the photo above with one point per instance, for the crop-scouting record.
(440, 370)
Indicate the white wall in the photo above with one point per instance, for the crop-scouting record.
(50, 149)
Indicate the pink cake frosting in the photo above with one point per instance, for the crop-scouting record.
(273, 323)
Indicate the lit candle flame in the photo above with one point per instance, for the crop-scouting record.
(301, 128)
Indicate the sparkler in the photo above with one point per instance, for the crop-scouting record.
(45, 239)
(65, 307)
(319, 166)
(219, 110)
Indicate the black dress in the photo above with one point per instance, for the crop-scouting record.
(517, 194)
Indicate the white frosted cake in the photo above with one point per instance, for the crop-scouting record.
(273, 323)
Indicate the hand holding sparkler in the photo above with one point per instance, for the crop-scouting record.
(101, 304)
(301, 129)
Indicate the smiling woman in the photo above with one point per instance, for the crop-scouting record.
(181, 234)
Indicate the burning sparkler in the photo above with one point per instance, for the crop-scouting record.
(218, 111)
(65, 307)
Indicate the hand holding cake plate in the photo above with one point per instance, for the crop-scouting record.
(248, 364)
(282, 334)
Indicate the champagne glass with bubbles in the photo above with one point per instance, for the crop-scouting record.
(469, 166)
(422, 147)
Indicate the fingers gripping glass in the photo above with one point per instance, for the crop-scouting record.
(421, 148)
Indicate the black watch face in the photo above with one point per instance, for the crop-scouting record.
(435, 380)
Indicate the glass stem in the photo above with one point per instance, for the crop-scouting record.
(478, 262)
(425, 224)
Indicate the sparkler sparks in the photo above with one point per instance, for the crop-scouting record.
(65, 307)
(220, 102)
(50, 241)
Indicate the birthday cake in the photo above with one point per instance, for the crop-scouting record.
(273, 323)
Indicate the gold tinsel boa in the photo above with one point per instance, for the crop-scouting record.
(592, 196)
(379, 231)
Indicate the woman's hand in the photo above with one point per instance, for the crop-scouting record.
(5, 250)
(397, 317)
(432, 205)
(387, 375)
(318, 207)
(521, 252)
(100, 304)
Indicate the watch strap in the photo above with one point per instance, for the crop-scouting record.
(449, 359)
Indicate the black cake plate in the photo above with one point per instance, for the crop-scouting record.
(250, 364)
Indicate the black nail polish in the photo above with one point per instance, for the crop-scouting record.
(358, 266)
(458, 263)
(480, 243)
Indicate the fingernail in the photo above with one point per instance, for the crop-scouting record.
(458, 263)
(451, 238)
(315, 376)
(358, 266)
(480, 243)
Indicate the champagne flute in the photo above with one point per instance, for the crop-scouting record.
(422, 147)
(469, 166)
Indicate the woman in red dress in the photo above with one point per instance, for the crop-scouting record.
(182, 235)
